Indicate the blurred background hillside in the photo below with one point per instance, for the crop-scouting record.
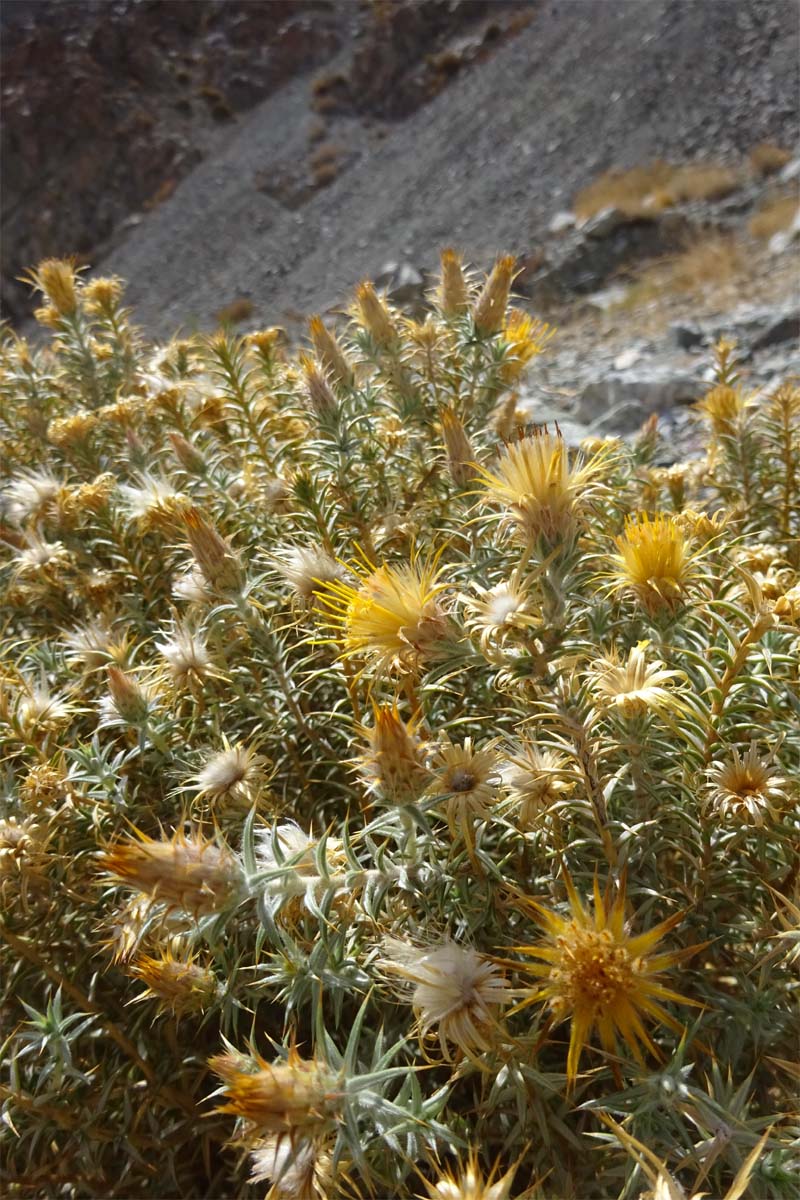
(250, 161)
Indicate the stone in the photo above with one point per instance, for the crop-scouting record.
(622, 400)
(604, 223)
(561, 221)
(687, 336)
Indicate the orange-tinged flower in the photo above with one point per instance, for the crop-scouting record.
(185, 872)
(390, 616)
(286, 1098)
(595, 974)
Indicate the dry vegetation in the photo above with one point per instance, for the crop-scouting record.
(648, 189)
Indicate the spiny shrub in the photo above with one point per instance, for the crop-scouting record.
(396, 801)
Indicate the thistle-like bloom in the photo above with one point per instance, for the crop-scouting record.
(216, 559)
(537, 781)
(453, 295)
(235, 773)
(186, 655)
(497, 614)
(467, 1182)
(723, 407)
(393, 765)
(189, 873)
(455, 989)
(38, 710)
(544, 494)
(330, 354)
(460, 455)
(525, 338)
(746, 788)
(29, 495)
(38, 557)
(153, 503)
(300, 872)
(56, 279)
(654, 562)
(129, 702)
(593, 973)
(372, 313)
(490, 307)
(318, 390)
(391, 617)
(293, 1098)
(299, 1169)
(307, 569)
(467, 779)
(179, 985)
(634, 687)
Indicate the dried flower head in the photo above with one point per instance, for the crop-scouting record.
(73, 430)
(393, 765)
(23, 853)
(593, 973)
(319, 392)
(38, 557)
(296, 1097)
(723, 406)
(30, 495)
(38, 710)
(634, 687)
(654, 562)
(187, 657)
(544, 493)
(467, 780)
(746, 788)
(391, 616)
(128, 702)
(455, 989)
(101, 296)
(298, 1169)
(56, 278)
(307, 569)
(235, 773)
(154, 503)
(186, 872)
(373, 315)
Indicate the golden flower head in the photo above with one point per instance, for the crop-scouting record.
(537, 780)
(746, 788)
(73, 430)
(460, 455)
(330, 354)
(544, 492)
(23, 852)
(102, 295)
(654, 562)
(636, 686)
(465, 777)
(455, 989)
(490, 307)
(295, 1097)
(787, 606)
(186, 872)
(373, 315)
(319, 392)
(393, 765)
(38, 710)
(595, 974)
(180, 985)
(525, 337)
(217, 560)
(56, 278)
(723, 406)
(453, 295)
(390, 616)
(128, 702)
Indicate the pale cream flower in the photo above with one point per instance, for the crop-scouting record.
(154, 503)
(298, 1169)
(306, 569)
(186, 655)
(37, 555)
(29, 495)
(90, 644)
(746, 788)
(467, 779)
(537, 780)
(39, 710)
(497, 614)
(192, 587)
(635, 686)
(455, 989)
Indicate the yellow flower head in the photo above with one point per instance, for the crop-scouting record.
(723, 407)
(55, 278)
(393, 765)
(453, 295)
(467, 1182)
(654, 561)
(525, 338)
(636, 686)
(179, 985)
(593, 973)
(543, 491)
(390, 616)
(467, 779)
(186, 872)
(490, 307)
(537, 780)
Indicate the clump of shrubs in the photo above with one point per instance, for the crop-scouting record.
(397, 801)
